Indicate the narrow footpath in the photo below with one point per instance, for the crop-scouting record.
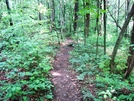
(66, 85)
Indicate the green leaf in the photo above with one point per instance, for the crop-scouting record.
(81, 77)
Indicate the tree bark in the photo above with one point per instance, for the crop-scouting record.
(86, 21)
(39, 11)
(53, 11)
(104, 19)
(9, 12)
(130, 60)
(52, 16)
(121, 34)
(97, 24)
(127, 8)
(70, 19)
(61, 16)
(118, 14)
(76, 9)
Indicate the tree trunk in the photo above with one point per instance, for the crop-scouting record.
(64, 15)
(70, 19)
(39, 11)
(101, 18)
(118, 13)
(76, 9)
(130, 60)
(97, 25)
(61, 16)
(9, 12)
(104, 19)
(53, 11)
(121, 34)
(127, 8)
(86, 21)
(52, 16)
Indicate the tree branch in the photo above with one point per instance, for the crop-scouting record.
(114, 20)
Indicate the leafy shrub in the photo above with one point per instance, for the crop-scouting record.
(26, 66)
(83, 59)
(87, 95)
(114, 87)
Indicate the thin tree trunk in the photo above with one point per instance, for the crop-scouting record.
(121, 34)
(39, 11)
(118, 13)
(53, 11)
(52, 16)
(48, 6)
(100, 18)
(61, 17)
(9, 12)
(127, 10)
(97, 25)
(104, 19)
(86, 21)
(130, 60)
(76, 9)
(64, 15)
(70, 19)
(127, 7)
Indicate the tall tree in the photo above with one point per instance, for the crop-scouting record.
(39, 10)
(52, 16)
(130, 60)
(53, 11)
(9, 12)
(104, 19)
(76, 9)
(86, 5)
(121, 34)
(70, 18)
(118, 13)
(97, 24)
(61, 2)
(127, 8)
(64, 14)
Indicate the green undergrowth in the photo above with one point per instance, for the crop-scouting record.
(94, 70)
(24, 66)
(26, 49)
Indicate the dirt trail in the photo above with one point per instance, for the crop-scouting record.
(65, 81)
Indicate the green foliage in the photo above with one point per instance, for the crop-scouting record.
(25, 50)
(96, 68)
(25, 57)
(84, 60)
(115, 87)
(107, 94)
(87, 95)
(121, 63)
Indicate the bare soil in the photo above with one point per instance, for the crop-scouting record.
(66, 85)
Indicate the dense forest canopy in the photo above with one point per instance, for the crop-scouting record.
(31, 32)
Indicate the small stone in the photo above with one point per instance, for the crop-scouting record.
(65, 95)
(71, 87)
(67, 76)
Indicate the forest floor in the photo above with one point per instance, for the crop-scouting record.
(64, 79)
